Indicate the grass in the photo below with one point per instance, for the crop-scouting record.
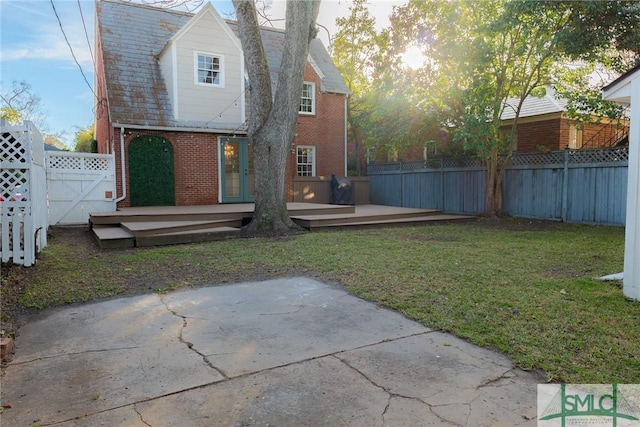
(526, 289)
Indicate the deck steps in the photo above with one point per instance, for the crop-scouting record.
(165, 213)
(205, 213)
(166, 225)
(188, 236)
(365, 214)
(152, 228)
(316, 224)
(113, 237)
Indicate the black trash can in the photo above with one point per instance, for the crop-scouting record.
(341, 191)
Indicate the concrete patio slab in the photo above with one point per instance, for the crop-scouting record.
(280, 352)
(250, 327)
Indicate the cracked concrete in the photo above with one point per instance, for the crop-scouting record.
(189, 344)
(281, 352)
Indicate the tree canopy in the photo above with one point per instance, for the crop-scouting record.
(19, 103)
(476, 56)
(84, 141)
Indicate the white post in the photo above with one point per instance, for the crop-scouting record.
(631, 280)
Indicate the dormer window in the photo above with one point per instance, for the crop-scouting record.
(308, 99)
(209, 69)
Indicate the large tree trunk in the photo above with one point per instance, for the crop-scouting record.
(272, 124)
(495, 176)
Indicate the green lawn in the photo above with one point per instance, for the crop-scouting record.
(524, 288)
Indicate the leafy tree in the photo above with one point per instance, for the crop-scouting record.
(481, 53)
(19, 103)
(354, 49)
(272, 120)
(604, 44)
(382, 117)
(599, 31)
(84, 141)
(519, 50)
(584, 94)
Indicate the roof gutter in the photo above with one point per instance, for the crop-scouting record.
(181, 129)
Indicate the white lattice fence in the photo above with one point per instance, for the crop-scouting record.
(23, 202)
(602, 155)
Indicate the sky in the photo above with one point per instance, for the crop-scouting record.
(33, 49)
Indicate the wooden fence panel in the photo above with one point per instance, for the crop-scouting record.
(422, 189)
(584, 186)
(464, 191)
(386, 189)
(597, 195)
(533, 193)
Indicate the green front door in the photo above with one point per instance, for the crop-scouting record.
(237, 170)
(151, 176)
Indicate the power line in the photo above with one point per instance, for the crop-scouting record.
(86, 33)
(71, 49)
(233, 103)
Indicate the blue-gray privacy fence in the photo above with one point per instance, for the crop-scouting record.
(585, 186)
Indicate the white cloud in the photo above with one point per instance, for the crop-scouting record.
(43, 39)
(23, 7)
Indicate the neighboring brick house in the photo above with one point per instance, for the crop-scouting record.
(544, 126)
(173, 101)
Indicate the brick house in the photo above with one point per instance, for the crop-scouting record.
(173, 97)
(544, 126)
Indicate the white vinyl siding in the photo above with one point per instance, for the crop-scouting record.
(306, 160)
(308, 98)
(167, 68)
(222, 103)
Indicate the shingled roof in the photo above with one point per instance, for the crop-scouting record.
(273, 42)
(534, 105)
(132, 37)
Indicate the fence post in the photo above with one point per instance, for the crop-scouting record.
(565, 184)
(401, 186)
(441, 184)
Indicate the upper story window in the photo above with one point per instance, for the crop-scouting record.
(209, 69)
(308, 99)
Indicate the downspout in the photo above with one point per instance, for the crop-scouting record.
(122, 168)
(345, 135)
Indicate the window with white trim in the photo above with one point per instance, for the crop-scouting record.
(209, 69)
(308, 98)
(306, 160)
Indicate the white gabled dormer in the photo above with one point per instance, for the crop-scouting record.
(203, 68)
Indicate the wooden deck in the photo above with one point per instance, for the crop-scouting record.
(164, 225)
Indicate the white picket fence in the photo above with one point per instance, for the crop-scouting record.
(23, 194)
